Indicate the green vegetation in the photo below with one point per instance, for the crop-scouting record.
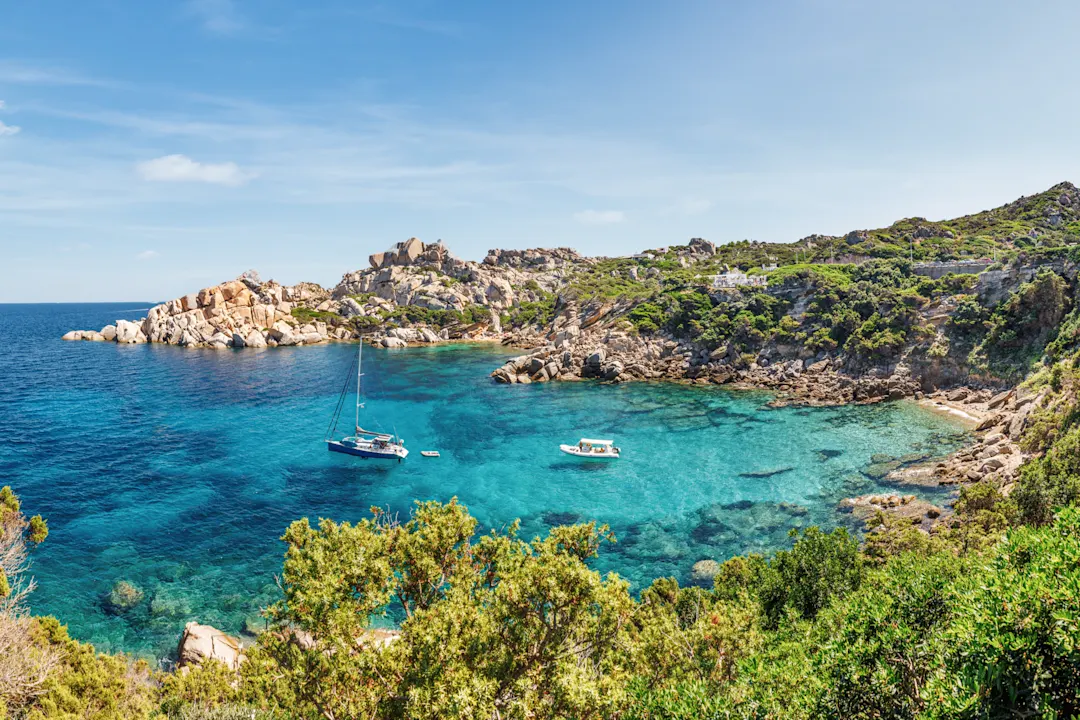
(869, 311)
(307, 315)
(416, 315)
(609, 279)
(539, 313)
(834, 275)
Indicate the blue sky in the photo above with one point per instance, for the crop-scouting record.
(152, 148)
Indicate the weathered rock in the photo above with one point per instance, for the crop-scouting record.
(393, 342)
(203, 642)
(123, 597)
(350, 308)
(129, 333)
(255, 339)
(612, 370)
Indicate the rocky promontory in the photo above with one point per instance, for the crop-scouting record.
(380, 301)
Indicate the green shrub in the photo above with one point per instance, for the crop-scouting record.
(1013, 646)
(820, 567)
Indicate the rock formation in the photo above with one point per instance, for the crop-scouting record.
(249, 313)
(203, 642)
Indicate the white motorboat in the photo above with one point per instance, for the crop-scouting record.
(592, 449)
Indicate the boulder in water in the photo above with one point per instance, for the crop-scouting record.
(129, 332)
(255, 339)
(203, 642)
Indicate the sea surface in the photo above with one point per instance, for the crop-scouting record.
(178, 470)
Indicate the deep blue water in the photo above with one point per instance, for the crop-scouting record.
(178, 470)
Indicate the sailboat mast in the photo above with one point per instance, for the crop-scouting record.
(360, 357)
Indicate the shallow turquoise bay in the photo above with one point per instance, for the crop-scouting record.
(178, 470)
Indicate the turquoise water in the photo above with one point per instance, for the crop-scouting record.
(178, 470)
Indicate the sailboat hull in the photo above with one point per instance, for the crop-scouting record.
(366, 450)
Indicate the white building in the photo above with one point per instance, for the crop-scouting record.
(737, 278)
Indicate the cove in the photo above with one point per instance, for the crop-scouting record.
(178, 470)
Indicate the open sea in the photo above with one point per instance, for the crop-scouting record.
(178, 470)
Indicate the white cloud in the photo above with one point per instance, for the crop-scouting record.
(181, 168)
(599, 217)
(218, 16)
(8, 129)
(15, 72)
(147, 255)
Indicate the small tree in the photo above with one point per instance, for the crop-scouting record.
(492, 627)
(806, 578)
(24, 664)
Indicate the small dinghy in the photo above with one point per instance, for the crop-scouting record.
(430, 453)
(592, 449)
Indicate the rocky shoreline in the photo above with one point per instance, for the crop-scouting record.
(998, 422)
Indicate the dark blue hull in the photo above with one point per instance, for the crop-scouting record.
(337, 446)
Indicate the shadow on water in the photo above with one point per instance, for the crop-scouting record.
(583, 465)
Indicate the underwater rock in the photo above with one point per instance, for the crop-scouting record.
(738, 505)
(652, 541)
(167, 604)
(711, 531)
(254, 625)
(766, 473)
(123, 597)
(829, 454)
(878, 470)
(703, 572)
(555, 518)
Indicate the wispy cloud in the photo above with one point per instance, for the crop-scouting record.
(147, 255)
(599, 217)
(181, 168)
(218, 16)
(15, 72)
(6, 129)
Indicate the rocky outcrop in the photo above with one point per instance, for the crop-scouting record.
(244, 312)
(430, 277)
(199, 643)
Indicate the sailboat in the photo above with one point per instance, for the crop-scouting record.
(363, 443)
